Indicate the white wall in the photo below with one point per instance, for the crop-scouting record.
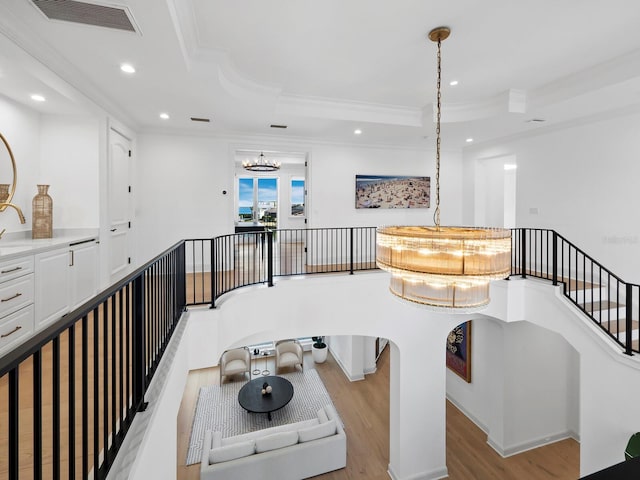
(350, 352)
(69, 164)
(582, 181)
(21, 128)
(522, 393)
(180, 180)
(333, 170)
(61, 151)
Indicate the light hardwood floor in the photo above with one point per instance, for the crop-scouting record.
(364, 408)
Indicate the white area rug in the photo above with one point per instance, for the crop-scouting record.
(218, 409)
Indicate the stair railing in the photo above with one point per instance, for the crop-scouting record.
(610, 302)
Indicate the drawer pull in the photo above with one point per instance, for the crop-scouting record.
(5, 335)
(11, 298)
(11, 270)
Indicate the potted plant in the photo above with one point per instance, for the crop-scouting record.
(319, 349)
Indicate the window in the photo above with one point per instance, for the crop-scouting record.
(258, 200)
(297, 197)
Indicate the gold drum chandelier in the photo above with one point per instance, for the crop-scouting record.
(443, 267)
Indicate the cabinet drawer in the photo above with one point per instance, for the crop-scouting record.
(16, 294)
(15, 329)
(16, 268)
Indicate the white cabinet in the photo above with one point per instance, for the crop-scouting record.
(52, 285)
(65, 279)
(16, 302)
(84, 273)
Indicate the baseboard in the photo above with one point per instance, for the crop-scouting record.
(432, 475)
(530, 445)
(468, 414)
(352, 378)
(369, 371)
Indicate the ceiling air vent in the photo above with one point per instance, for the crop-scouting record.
(278, 126)
(87, 13)
(200, 119)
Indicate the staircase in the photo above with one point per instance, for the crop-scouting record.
(611, 303)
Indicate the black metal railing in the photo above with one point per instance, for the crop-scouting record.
(73, 389)
(251, 258)
(610, 302)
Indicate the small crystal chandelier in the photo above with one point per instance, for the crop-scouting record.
(443, 267)
(261, 164)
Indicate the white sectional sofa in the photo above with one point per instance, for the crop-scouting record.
(288, 452)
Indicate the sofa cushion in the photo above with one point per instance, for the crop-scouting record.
(319, 431)
(231, 452)
(322, 416)
(275, 441)
(333, 414)
(216, 439)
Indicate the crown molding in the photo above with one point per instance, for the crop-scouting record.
(557, 127)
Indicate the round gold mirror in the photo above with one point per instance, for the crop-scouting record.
(7, 173)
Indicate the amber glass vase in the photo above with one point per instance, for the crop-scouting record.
(42, 214)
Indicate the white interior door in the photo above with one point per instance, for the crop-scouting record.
(119, 205)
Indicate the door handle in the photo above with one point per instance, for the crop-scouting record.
(114, 229)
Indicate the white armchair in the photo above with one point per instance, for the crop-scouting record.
(288, 354)
(235, 361)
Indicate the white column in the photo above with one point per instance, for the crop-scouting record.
(417, 400)
(369, 355)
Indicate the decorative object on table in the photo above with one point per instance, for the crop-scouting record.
(459, 351)
(266, 371)
(319, 349)
(446, 268)
(256, 357)
(266, 389)
(392, 191)
(42, 214)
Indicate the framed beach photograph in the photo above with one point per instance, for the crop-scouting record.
(459, 351)
(392, 191)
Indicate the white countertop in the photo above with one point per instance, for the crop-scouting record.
(18, 244)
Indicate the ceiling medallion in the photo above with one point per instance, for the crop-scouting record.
(443, 267)
(261, 164)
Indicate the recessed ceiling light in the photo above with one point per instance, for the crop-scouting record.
(37, 97)
(357, 131)
(469, 140)
(164, 116)
(126, 68)
(453, 83)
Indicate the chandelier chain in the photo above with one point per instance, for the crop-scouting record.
(436, 213)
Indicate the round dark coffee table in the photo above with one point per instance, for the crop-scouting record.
(252, 400)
